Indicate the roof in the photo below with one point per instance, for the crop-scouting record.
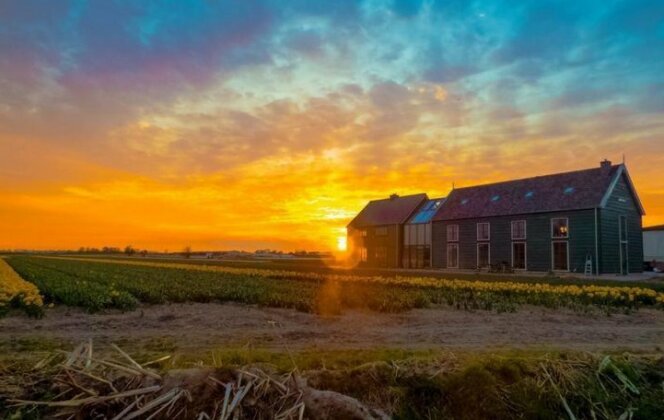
(426, 212)
(578, 190)
(654, 228)
(388, 211)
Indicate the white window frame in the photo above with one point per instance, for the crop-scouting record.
(566, 223)
(477, 262)
(447, 257)
(488, 231)
(525, 255)
(525, 230)
(553, 255)
(456, 227)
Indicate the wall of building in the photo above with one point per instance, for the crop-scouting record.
(538, 240)
(620, 203)
(653, 245)
(376, 244)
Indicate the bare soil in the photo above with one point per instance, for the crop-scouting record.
(199, 326)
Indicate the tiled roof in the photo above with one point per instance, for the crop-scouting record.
(389, 211)
(576, 190)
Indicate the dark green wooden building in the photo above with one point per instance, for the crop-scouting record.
(585, 221)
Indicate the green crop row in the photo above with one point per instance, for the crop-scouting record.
(99, 284)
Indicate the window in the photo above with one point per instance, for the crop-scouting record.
(452, 233)
(519, 229)
(560, 253)
(623, 228)
(452, 255)
(483, 232)
(483, 255)
(560, 228)
(363, 233)
(381, 231)
(519, 255)
(363, 254)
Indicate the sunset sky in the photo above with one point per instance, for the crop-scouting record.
(269, 124)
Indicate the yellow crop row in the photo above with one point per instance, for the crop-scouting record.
(592, 292)
(12, 287)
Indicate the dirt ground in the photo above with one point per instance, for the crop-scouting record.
(216, 325)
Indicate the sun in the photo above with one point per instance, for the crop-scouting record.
(341, 243)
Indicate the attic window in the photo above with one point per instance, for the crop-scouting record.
(464, 201)
(569, 190)
(530, 194)
(495, 198)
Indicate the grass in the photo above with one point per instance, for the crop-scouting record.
(435, 384)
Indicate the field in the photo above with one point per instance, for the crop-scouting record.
(425, 346)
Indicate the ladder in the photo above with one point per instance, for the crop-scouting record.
(589, 265)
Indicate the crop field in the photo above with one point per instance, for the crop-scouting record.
(461, 347)
(96, 284)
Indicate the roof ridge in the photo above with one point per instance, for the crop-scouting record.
(491, 184)
(398, 197)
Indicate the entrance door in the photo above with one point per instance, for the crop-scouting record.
(624, 259)
(624, 254)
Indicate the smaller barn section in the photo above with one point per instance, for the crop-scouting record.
(375, 235)
(653, 247)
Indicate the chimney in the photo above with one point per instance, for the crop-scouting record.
(605, 165)
(394, 196)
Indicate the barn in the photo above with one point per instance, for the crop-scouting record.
(586, 221)
(375, 235)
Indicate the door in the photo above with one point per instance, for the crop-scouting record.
(624, 245)
(624, 259)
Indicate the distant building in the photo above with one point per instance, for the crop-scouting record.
(581, 221)
(653, 246)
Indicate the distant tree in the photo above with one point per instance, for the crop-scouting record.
(144, 253)
(186, 252)
(129, 250)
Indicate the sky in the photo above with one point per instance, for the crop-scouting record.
(269, 124)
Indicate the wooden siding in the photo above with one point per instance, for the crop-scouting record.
(372, 242)
(538, 240)
(621, 202)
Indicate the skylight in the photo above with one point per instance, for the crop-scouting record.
(569, 190)
(464, 201)
(529, 194)
(495, 198)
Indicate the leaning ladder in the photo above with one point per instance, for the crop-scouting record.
(589, 265)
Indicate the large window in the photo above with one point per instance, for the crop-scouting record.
(381, 231)
(560, 228)
(452, 233)
(560, 251)
(417, 245)
(483, 255)
(519, 255)
(453, 255)
(483, 232)
(519, 229)
(363, 254)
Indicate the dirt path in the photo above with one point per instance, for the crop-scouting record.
(198, 326)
